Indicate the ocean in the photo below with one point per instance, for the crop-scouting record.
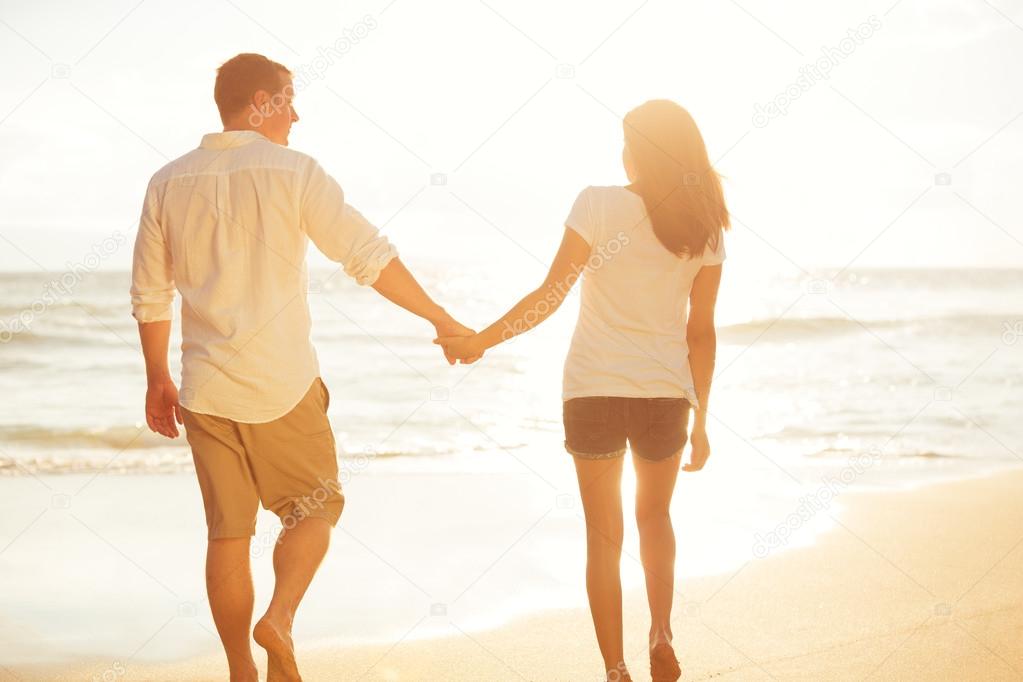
(920, 369)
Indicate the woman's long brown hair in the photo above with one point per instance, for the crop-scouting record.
(673, 175)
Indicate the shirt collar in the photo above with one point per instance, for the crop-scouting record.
(229, 139)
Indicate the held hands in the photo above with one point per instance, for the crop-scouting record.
(163, 413)
(453, 337)
(466, 349)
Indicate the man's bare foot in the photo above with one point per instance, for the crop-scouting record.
(664, 666)
(280, 651)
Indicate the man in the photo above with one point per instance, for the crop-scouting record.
(228, 226)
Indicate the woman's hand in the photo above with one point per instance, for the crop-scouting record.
(467, 349)
(700, 449)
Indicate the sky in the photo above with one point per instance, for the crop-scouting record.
(466, 128)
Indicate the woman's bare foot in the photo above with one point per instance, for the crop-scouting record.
(618, 674)
(280, 651)
(664, 666)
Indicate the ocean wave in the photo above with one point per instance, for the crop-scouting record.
(168, 459)
(172, 460)
(98, 336)
(827, 453)
(124, 437)
(111, 438)
(64, 306)
(785, 328)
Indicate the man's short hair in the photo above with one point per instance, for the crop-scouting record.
(240, 77)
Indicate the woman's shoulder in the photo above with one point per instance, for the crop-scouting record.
(609, 190)
(603, 197)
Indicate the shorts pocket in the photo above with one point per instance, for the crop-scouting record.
(325, 393)
(661, 431)
(591, 428)
(591, 409)
(309, 417)
(668, 410)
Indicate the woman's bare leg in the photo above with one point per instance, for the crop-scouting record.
(600, 487)
(655, 484)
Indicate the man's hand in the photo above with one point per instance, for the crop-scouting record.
(163, 413)
(450, 328)
(700, 449)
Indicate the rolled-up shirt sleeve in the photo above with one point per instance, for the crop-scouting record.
(152, 272)
(341, 232)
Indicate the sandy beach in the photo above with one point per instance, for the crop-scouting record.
(921, 584)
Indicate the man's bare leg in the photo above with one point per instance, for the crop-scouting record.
(229, 586)
(297, 556)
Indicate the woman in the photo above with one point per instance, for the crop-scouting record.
(637, 364)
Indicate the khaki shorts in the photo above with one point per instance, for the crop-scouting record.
(288, 464)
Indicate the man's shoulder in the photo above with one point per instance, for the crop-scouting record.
(172, 168)
(258, 154)
(273, 154)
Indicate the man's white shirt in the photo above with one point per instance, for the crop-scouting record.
(228, 226)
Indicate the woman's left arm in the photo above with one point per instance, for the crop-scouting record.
(535, 307)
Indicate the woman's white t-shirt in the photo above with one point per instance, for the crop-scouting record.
(630, 340)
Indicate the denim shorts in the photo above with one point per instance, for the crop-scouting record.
(599, 427)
